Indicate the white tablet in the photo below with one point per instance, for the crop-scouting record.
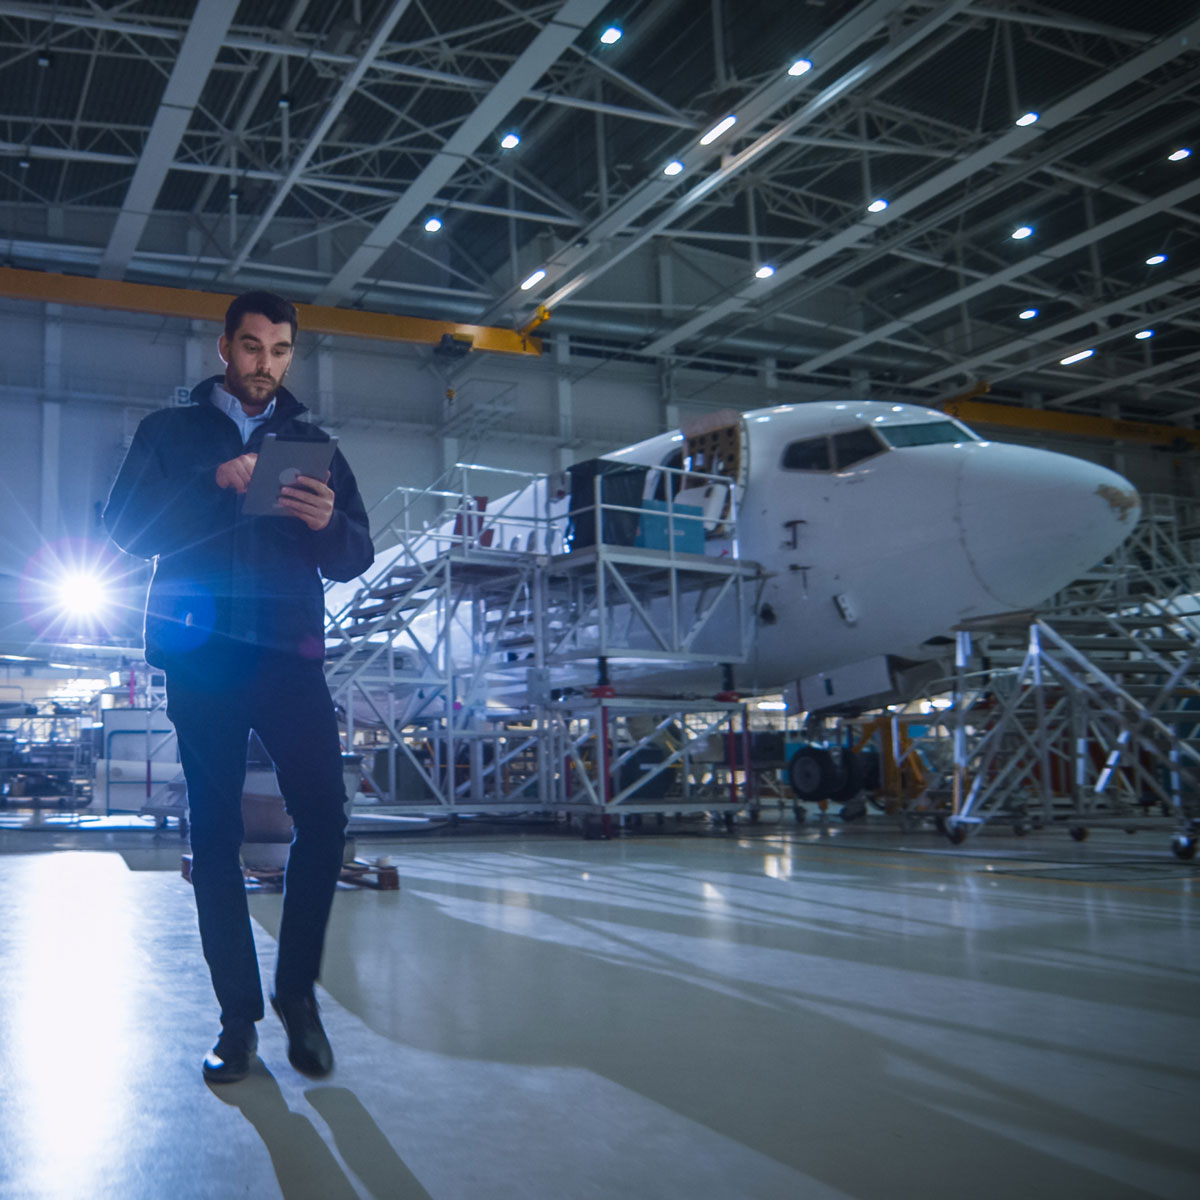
(280, 461)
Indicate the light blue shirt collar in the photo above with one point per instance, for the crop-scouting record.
(231, 406)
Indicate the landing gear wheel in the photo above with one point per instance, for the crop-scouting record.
(1183, 847)
(1020, 829)
(956, 834)
(848, 777)
(812, 773)
(1079, 833)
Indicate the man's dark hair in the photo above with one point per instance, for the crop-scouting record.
(275, 308)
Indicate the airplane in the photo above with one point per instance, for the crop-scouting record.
(877, 529)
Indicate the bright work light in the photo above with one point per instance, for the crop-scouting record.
(82, 594)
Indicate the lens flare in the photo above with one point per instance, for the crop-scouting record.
(72, 588)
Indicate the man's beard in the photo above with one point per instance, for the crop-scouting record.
(242, 389)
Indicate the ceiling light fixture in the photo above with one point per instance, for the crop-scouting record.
(611, 35)
(1029, 118)
(1143, 334)
(877, 205)
(1074, 358)
(510, 141)
(675, 167)
(1179, 155)
(433, 224)
(764, 272)
(533, 280)
(1027, 315)
(800, 67)
(1019, 235)
(719, 128)
(1156, 260)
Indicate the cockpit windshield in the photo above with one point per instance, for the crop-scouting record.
(836, 453)
(927, 433)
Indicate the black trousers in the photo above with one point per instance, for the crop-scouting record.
(215, 696)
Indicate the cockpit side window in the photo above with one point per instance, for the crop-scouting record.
(854, 446)
(812, 454)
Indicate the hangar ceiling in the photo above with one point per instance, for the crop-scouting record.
(350, 152)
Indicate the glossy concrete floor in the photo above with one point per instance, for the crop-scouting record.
(774, 1013)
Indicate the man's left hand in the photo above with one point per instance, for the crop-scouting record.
(310, 500)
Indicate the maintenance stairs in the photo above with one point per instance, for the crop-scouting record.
(467, 666)
(1088, 713)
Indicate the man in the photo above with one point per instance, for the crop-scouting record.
(235, 618)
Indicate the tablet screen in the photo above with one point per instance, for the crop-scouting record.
(280, 461)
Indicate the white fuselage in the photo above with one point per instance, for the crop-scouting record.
(928, 526)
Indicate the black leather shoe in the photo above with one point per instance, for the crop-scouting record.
(308, 1047)
(229, 1060)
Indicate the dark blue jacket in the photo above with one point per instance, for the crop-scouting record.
(221, 577)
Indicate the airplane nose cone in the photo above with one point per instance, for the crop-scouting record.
(1033, 521)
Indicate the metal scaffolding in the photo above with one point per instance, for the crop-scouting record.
(1087, 714)
(475, 663)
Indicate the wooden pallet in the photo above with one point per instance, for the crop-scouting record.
(270, 879)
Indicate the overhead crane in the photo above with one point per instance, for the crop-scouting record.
(87, 292)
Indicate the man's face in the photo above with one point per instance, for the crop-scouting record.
(256, 360)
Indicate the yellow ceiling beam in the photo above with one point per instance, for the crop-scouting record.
(1045, 420)
(83, 291)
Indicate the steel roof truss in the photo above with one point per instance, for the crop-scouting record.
(986, 156)
(196, 57)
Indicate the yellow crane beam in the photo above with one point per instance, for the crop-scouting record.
(1046, 420)
(83, 291)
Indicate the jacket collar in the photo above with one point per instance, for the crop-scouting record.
(286, 405)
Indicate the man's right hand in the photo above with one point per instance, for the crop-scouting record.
(236, 473)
